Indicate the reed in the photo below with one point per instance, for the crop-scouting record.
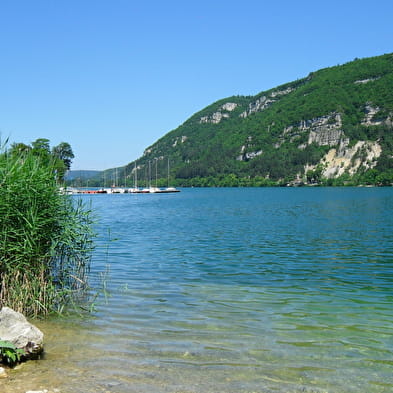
(45, 237)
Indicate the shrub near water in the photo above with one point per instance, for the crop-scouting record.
(45, 238)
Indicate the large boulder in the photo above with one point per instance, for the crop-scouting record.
(15, 328)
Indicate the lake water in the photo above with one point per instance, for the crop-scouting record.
(232, 290)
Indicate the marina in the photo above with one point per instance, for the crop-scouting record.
(118, 190)
(115, 189)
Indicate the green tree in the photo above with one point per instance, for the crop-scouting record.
(64, 152)
(41, 145)
(41, 148)
(314, 176)
(19, 149)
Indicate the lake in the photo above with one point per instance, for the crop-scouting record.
(231, 290)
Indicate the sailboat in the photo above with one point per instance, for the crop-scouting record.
(137, 190)
(168, 188)
(150, 189)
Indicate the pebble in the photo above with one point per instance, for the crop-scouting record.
(3, 373)
(37, 391)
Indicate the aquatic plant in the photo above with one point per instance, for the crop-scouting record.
(45, 237)
(9, 354)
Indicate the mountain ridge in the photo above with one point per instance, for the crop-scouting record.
(333, 127)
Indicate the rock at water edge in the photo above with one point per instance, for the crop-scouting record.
(15, 328)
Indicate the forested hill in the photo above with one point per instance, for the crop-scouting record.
(332, 127)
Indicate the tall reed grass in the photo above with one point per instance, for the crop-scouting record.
(45, 238)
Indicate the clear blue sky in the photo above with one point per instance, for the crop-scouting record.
(111, 77)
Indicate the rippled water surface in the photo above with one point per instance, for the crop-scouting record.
(232, 290)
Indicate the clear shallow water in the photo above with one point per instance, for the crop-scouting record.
(234, 290)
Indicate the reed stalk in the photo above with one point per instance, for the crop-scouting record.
(45, 238)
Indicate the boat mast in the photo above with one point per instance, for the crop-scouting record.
(149, 174)
(136, 176)
(156, 171)
(168, 172)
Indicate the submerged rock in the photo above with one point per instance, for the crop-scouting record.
(15, 328)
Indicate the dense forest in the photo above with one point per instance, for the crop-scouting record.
(333, 127)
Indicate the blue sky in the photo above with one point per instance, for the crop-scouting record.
(112, 77)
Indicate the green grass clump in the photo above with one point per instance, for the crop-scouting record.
(45, 237)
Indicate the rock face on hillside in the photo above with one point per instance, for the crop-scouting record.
(264, 102)
(222, 113)
(323, 131)
(350, 159)
(16, 329)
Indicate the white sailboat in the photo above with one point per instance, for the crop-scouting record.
(150, 189)
(168, 188)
